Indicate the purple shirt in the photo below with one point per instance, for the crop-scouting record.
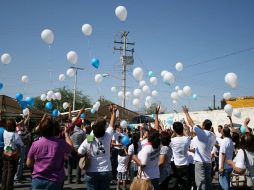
(48, 155)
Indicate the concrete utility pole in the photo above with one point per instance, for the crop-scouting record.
(125, 59)
(75, 85)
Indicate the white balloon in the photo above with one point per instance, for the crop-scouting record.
(72, 57)
(47, 36)
(25, 111)
(98, 78)
(155, 93)
(137, 93)
(61, 77)
(98, 103)
(146, 89)
(24, 79)
(142, 83)
(231, 79)
(169, 78)
(148, 104)
(153, 80)
(237, 113)
(6, 58)
(174, 96)
(187, 90)
(180, 93)
(179, 66)
(123, 124)
(43, 97)
(113, 89)
(138, 73)
(121, 13)
(228, 109)
(70, 72)
(49, 98)
(227, 95)
(177, 88)
(120, 94)
(87, 29)
(174, 102)
(136, 103)
(128, 95)
(65, 105)
(163, 73)
(58, 95)
(149, 99)
(53, 97)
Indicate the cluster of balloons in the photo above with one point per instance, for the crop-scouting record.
(96, 107)
(229, 110)
(168, 77)
(6, 58)
(29, 101)
(51, 96)
(231, 79)
(148, 102)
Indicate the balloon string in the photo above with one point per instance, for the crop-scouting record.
(89, 49)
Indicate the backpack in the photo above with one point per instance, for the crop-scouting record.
(12, 151)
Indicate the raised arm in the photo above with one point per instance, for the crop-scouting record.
(113, 109)
(27, 118)
(188, 117)
(156, 122)
(82, 110)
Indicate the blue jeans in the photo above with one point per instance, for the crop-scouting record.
(98, 180)
(19, 173)
(203, 175)
(224, 179)
(38, 184)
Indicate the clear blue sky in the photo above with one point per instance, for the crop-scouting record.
(165, 32)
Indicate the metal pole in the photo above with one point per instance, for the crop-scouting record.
(124, 69)
(74, 90)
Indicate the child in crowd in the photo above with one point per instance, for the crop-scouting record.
(122, 168)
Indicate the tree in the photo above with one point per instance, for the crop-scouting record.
(82, 101)
(151, 110)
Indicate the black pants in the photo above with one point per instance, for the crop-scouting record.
(180, 177)
(114, 162)
(73, 164)
(9, 170)
(192, 176)
(164, 184)
(1, 162)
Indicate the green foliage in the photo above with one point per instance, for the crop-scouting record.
(67, 96)
(151, 110)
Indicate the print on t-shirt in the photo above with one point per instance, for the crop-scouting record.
(155, 154)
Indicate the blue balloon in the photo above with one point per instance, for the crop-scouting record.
(1, 85)
(95, 63)
(125, 140)
(23, 104)
(243, 129)
(153, 116)
(194, 97)
(150, 73)
(170, 121)
(92, 111)
(19, 97)
(49, 106)
(83, 116)
(30, 101)
(55, 113)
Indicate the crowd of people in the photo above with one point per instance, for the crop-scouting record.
(185, 156)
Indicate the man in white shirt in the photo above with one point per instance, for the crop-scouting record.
(226, 153)
(180, 146)
(204, 144)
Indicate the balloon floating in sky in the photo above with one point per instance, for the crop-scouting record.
(137, 93)
(228, 109)
(179, 66)
(174, 96)
(146, 89)
(150, 73)
(95, 63)
(163, 73)
(121, 13)
(232, 80)
(128, 95)
(23, 104)
(24, 79)
(194, 96)
(47, 36)
(98, 78)
(87, 29)
(113, 89)
(169, 78)
(120, 94)
(70, 72)
(6, 58)
(61, 77)
(49, 106)
(138, 73)
(142, 83)
(136, 103)
(237, 113)
(155, 93)
(187, 90)
(58, 95)
(153, 80)
(1, 85)
(227, 95)
(65, 105)
(180, 93)
(43, 97)
(30, 101)
(72, 57)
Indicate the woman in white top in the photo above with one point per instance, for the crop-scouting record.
(10, 163)
(241, 163)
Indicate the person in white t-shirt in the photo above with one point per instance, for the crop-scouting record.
(244, 159)
(203, 148)
(98, 173)
(180, 146)
(225, 153)
(122, 174)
